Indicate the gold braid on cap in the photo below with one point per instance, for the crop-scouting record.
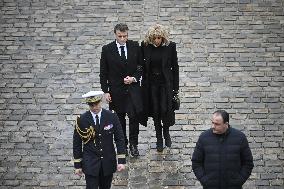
(93, 99)
(85, 135)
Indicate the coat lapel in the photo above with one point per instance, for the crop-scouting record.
(103, 120)
(129, 52)
(147, 54)
(91, 121)
(114, 51)
(165, 56)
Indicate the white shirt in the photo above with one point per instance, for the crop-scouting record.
(119, 49)
(125, 50)
(94, 116)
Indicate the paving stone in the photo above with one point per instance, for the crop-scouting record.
(230, 57)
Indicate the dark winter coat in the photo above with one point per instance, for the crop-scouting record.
(222, 161)
(113, 69)
(170, 71)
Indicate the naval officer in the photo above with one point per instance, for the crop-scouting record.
(94, 153)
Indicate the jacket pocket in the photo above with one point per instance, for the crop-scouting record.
(108, 131)
(209, 179)
(235, 179)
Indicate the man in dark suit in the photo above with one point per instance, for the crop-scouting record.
(95, 131)
(120, 78)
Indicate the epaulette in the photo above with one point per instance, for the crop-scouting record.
(77, 120)
(85, 135)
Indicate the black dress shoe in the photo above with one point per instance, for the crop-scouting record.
(134, 150)
(159, 144)
(167, 137)
(168, 142)
(160, 148)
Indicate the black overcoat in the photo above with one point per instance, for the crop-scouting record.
(91, 155)
(170, 71)
(113, 69)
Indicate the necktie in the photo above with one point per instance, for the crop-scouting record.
(97, 121)
(122, 52)
(97, 125)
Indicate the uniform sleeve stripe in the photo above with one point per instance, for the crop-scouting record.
(77, 160)
(121, 156)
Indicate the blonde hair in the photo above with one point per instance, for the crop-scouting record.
(155, 31)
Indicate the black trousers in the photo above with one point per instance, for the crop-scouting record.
(133, 129)
(101, 181)
(159, 103)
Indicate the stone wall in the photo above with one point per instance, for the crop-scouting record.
(230, 55)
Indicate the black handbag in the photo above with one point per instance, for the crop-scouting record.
(176, 102)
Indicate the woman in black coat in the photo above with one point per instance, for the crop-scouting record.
(160, 82)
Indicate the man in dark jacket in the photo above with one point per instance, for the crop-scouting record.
(222, 158)
(120, 74)
(93, 148)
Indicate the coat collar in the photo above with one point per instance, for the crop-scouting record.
(102, 120)
(114, 50)
(91, 120)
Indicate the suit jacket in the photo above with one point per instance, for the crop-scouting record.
(97, 142)
(113, 69)
(170, 71)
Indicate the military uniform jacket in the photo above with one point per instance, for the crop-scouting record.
(113, 69)
(93, 145)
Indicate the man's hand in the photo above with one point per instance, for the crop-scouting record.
(120, 167)
(78, 172)
(108, 97)
(128, 80)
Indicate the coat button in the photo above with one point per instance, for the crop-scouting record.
(102, 157)
(100, 134)
(101, 149)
